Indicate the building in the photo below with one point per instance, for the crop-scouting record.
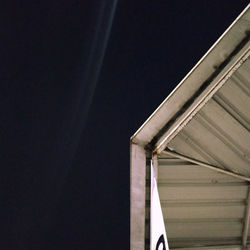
(199, 142)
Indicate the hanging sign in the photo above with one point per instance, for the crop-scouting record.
(158, 237)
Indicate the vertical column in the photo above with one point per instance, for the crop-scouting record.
(137, 196)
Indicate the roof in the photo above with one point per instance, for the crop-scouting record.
(201, 136)
(215, 62)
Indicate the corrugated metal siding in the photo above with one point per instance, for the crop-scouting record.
(200, 206)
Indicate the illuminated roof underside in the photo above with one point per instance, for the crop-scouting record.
(202, 206)
(201, 135)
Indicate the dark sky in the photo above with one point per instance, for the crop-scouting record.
(64, 155)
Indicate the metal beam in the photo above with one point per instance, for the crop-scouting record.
(203, 164)
(246, 221)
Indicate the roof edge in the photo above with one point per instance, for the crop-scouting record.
(192, 82)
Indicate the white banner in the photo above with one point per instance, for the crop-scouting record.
(158, 237)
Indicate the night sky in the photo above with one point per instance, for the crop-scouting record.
(68, 109)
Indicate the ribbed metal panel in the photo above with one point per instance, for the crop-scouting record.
(200, 206)
(219, 132)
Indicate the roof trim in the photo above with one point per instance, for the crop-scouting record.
(210, 64)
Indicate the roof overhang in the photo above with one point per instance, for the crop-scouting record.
(204, 122)
(200, 83)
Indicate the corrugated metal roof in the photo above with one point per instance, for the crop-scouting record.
(201, 206)
(219, 133)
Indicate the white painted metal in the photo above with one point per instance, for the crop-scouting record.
(137, 197)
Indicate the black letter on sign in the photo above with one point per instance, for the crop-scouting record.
(161, 240)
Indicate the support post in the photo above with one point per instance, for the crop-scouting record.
(137, 196)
